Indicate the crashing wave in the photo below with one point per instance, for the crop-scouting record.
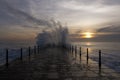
(57, 35)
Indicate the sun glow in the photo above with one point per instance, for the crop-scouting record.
(87, 35)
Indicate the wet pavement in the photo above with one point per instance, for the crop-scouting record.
(56, 64)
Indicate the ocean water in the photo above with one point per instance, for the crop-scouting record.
(110, 52)
(14, 45)
(100, 45)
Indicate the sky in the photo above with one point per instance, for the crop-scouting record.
(22, 20)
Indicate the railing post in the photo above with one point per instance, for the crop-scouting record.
(87, 56)
(80, 53)
(29, 49)
(100, 60)
(7, 58)
(21, 53)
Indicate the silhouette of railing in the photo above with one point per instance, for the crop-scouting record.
(98, 56)
(76, 50)
(11, 54)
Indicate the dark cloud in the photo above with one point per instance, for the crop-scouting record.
(110, 28)
(111, 2)
(104, 2)
(10, 16)
(23, 5)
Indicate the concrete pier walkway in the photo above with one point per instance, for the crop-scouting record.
(56, 64)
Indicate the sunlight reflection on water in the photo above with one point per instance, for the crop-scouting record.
(99, 45)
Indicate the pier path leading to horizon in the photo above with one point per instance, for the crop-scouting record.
(56, 64)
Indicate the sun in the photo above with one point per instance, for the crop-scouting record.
(87, 35)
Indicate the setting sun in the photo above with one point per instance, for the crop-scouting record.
(87, 35)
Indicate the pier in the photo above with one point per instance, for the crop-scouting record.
(56, 64)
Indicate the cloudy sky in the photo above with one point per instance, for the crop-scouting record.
(21, 20)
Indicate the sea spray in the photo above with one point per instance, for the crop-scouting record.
(57, 35)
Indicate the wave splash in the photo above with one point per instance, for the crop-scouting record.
(57, 35)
